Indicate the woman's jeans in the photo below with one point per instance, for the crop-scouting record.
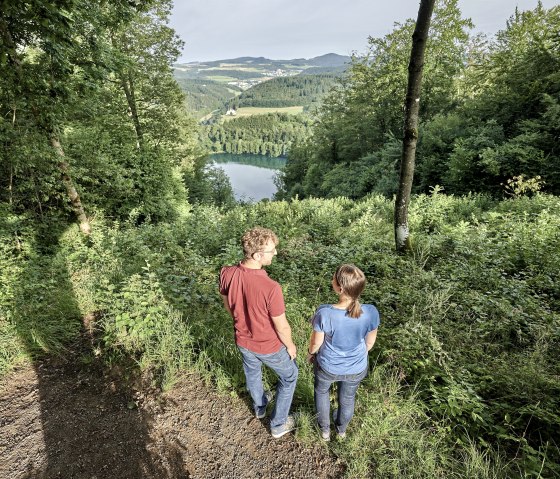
(347, 387)
(287, 372)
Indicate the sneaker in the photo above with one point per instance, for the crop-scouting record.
(326, 435)
(260, 412)
(341, 435)
(285, 428)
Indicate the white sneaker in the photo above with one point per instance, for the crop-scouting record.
(285, 428)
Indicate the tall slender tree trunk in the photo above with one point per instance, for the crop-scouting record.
(127, 83)
(412, 107)
(85, 226)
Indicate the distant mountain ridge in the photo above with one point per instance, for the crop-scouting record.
(327, 60)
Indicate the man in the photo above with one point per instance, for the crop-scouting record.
(262, 332)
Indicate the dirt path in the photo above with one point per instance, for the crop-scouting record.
(58, 420)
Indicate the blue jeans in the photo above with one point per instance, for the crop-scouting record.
(347, 387)
(287, 372)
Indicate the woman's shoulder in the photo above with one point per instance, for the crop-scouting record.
(370, 310)
(320, 312)
(369, 307)
(322, 308)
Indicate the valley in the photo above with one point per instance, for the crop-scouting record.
(212, 87)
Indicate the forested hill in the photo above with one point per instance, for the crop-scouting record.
(269, 134)
(258, 66)
(301, 90)
(203, 95)
(208, 85)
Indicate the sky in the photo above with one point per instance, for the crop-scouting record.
(286, 29)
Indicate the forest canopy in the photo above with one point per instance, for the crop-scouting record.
(489, 113)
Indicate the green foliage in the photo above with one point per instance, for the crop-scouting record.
(360, 121)
(467, 358)
(207, 184)
(73, 75)
(205, 96)
(303, 90)
(269, 134)
(488, 110)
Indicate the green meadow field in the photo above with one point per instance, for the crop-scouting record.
(249, 111)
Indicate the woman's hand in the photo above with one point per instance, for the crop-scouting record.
(310, 358)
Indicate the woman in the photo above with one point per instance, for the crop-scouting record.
(343, 333)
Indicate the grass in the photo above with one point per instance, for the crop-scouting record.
(254, 110)
(221, 78)
(234, 67)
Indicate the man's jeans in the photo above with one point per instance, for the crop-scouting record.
(287, 372)
(347, 387)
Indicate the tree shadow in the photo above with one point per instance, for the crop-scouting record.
(69, 414)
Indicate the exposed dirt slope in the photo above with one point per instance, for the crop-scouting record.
(58, 420)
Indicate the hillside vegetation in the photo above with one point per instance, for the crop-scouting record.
(265, 134)
(489, 112)
(206, 84)
(464, 374)
(282, 92)
(205, 96)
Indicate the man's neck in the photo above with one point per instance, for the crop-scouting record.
(251, 264)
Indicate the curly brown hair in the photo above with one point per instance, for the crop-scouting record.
(255, 240)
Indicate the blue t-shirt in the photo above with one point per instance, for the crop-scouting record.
(344, 349)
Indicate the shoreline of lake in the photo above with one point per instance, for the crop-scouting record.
(251, 176)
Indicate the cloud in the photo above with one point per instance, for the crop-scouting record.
(219, 29)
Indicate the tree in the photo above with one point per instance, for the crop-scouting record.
(38, 43)
(73, 131)
(363, 113)
(412, 108)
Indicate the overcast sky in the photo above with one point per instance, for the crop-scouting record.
(286, 29)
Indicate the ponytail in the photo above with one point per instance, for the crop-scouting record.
(354, 309)
(352, 281)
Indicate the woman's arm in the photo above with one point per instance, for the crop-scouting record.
(315, 343)
(370, 339)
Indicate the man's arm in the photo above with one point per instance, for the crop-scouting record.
(370, 339)
(284, 332)
(226, 304)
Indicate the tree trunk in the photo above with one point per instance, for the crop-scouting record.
(128, 87)
(70, 188)
(412, 107)
(63, 164)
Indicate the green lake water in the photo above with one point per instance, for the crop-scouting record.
(251, 176)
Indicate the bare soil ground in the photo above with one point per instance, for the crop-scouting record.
(59, 419)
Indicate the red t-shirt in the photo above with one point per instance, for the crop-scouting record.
(254, 299)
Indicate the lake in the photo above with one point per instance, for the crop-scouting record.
(251, 176)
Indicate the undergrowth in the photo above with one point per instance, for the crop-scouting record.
(464, 376)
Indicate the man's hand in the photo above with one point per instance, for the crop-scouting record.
(285, 333)
(292, 351)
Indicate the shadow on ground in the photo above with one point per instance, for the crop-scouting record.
(67, 415)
